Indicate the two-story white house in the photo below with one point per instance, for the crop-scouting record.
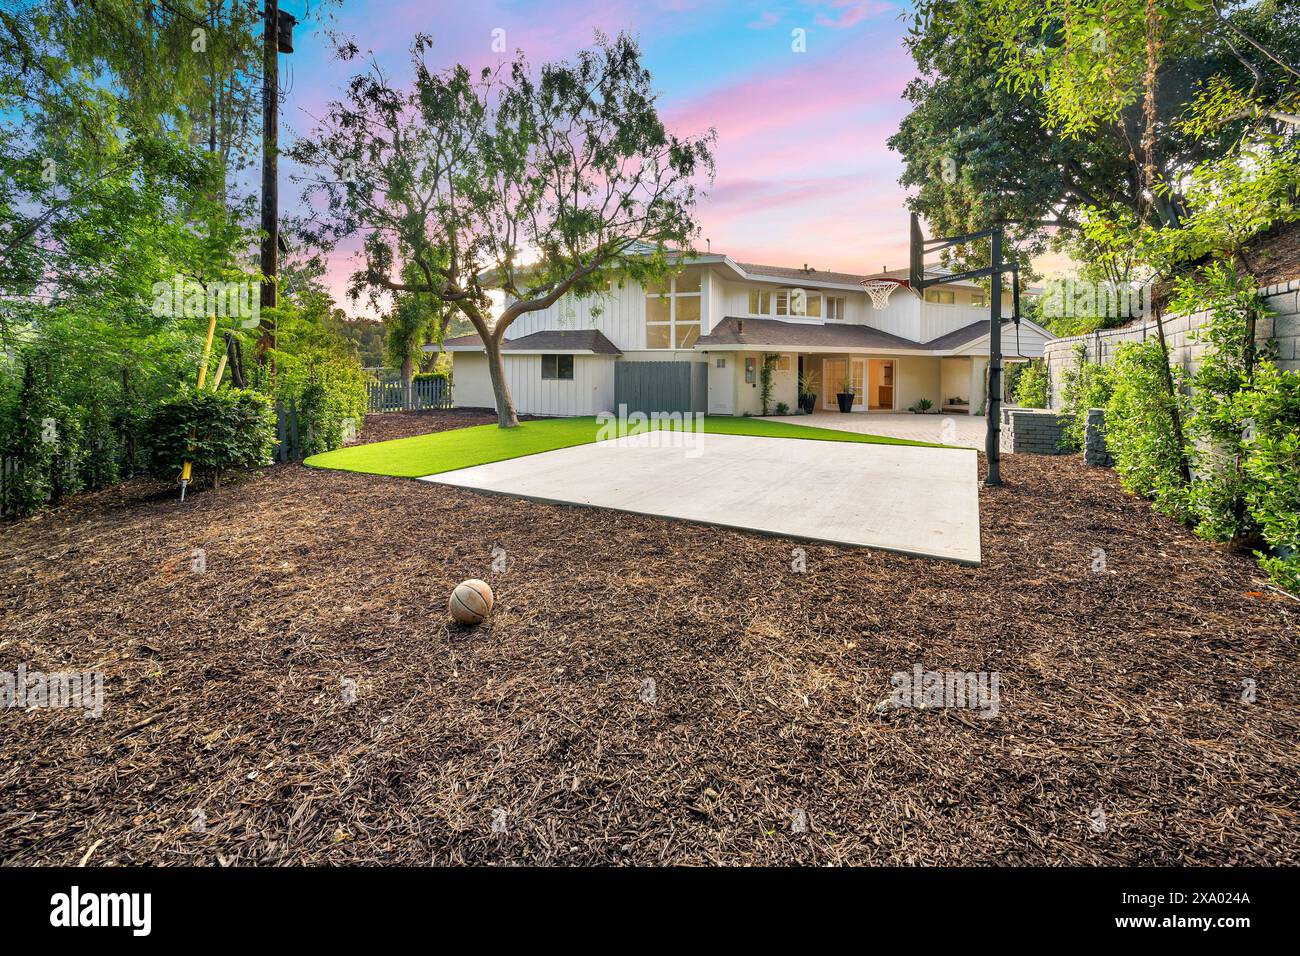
(725, 319)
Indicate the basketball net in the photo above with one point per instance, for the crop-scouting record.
(880, 290)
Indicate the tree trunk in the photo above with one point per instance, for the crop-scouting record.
(407, 366)
(506, 417)
(1175, 418)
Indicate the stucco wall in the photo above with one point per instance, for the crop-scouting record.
(1184, 352)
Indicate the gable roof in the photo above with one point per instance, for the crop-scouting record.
(551, 340)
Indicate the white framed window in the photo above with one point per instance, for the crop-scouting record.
(557, 368)
(799, 303)
(672, 312)
(979, 299)
(940, 296)
(760, 302)
(835, 307)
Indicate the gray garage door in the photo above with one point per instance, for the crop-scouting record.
(661, 386)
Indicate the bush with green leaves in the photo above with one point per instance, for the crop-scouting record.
(218, 431)
(1087, 385)
(1217, 443)
(1270, 410)
(1031, 384)
(329, 394)
(1139, 431)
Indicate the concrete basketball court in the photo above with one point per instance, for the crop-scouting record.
(918, 501)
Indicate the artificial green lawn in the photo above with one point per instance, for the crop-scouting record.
(462, 447)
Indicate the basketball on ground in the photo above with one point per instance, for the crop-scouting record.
(471, 601)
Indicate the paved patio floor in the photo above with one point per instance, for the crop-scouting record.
(919, 501)
(963, 431)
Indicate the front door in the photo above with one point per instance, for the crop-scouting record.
(834, 372)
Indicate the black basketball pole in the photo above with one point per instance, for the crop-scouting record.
(992, 436)
(920, 246)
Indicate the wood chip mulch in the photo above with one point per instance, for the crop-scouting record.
(1124, 735)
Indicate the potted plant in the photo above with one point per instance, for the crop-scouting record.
(808, 391)
(846, 395)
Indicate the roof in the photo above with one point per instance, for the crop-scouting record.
(552, 340)
(784, 272)
(772, 333)
(736, 333)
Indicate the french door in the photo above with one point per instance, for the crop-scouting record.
(834, 372)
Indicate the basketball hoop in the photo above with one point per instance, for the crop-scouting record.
(880, 291)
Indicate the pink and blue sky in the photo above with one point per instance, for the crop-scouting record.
(803, 172)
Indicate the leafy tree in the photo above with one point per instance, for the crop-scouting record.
(539, 184)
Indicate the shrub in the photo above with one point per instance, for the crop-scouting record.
(782, 408)
(1031, 384)
(1216, 429)
(1271, 410)
(1087, 385)
(1139, 433)
(329, 394)
(41, 436)
(216, 431)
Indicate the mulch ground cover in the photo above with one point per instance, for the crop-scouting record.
(306, 700)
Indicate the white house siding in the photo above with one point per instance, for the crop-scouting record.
(472, 388)
(591, 389)
(619, 314)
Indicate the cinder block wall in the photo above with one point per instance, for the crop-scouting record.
(1034, 431)
(1283, 326)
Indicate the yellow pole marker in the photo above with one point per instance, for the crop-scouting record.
(187, 468)
(221, 370)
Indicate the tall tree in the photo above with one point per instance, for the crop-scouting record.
(540, 184)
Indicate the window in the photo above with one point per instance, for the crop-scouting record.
(751, 370)
(798, 302)
(760, 302)
(834, 307)
(941, 296)
(672, 312)
(557, 367)
(783, 363)
(978, 299)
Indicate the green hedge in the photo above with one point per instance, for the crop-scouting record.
(1271, 409)
(216, 431)
(1139, 428)
(1031, 384)
(329, 393)
(1087, 385)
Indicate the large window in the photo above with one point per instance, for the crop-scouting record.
(798, 302)
(940, 296)
(557, 368)
(760, 302)
(672, 312)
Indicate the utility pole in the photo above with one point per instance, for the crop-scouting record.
(277, 38)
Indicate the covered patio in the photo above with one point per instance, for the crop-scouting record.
(962, 431)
